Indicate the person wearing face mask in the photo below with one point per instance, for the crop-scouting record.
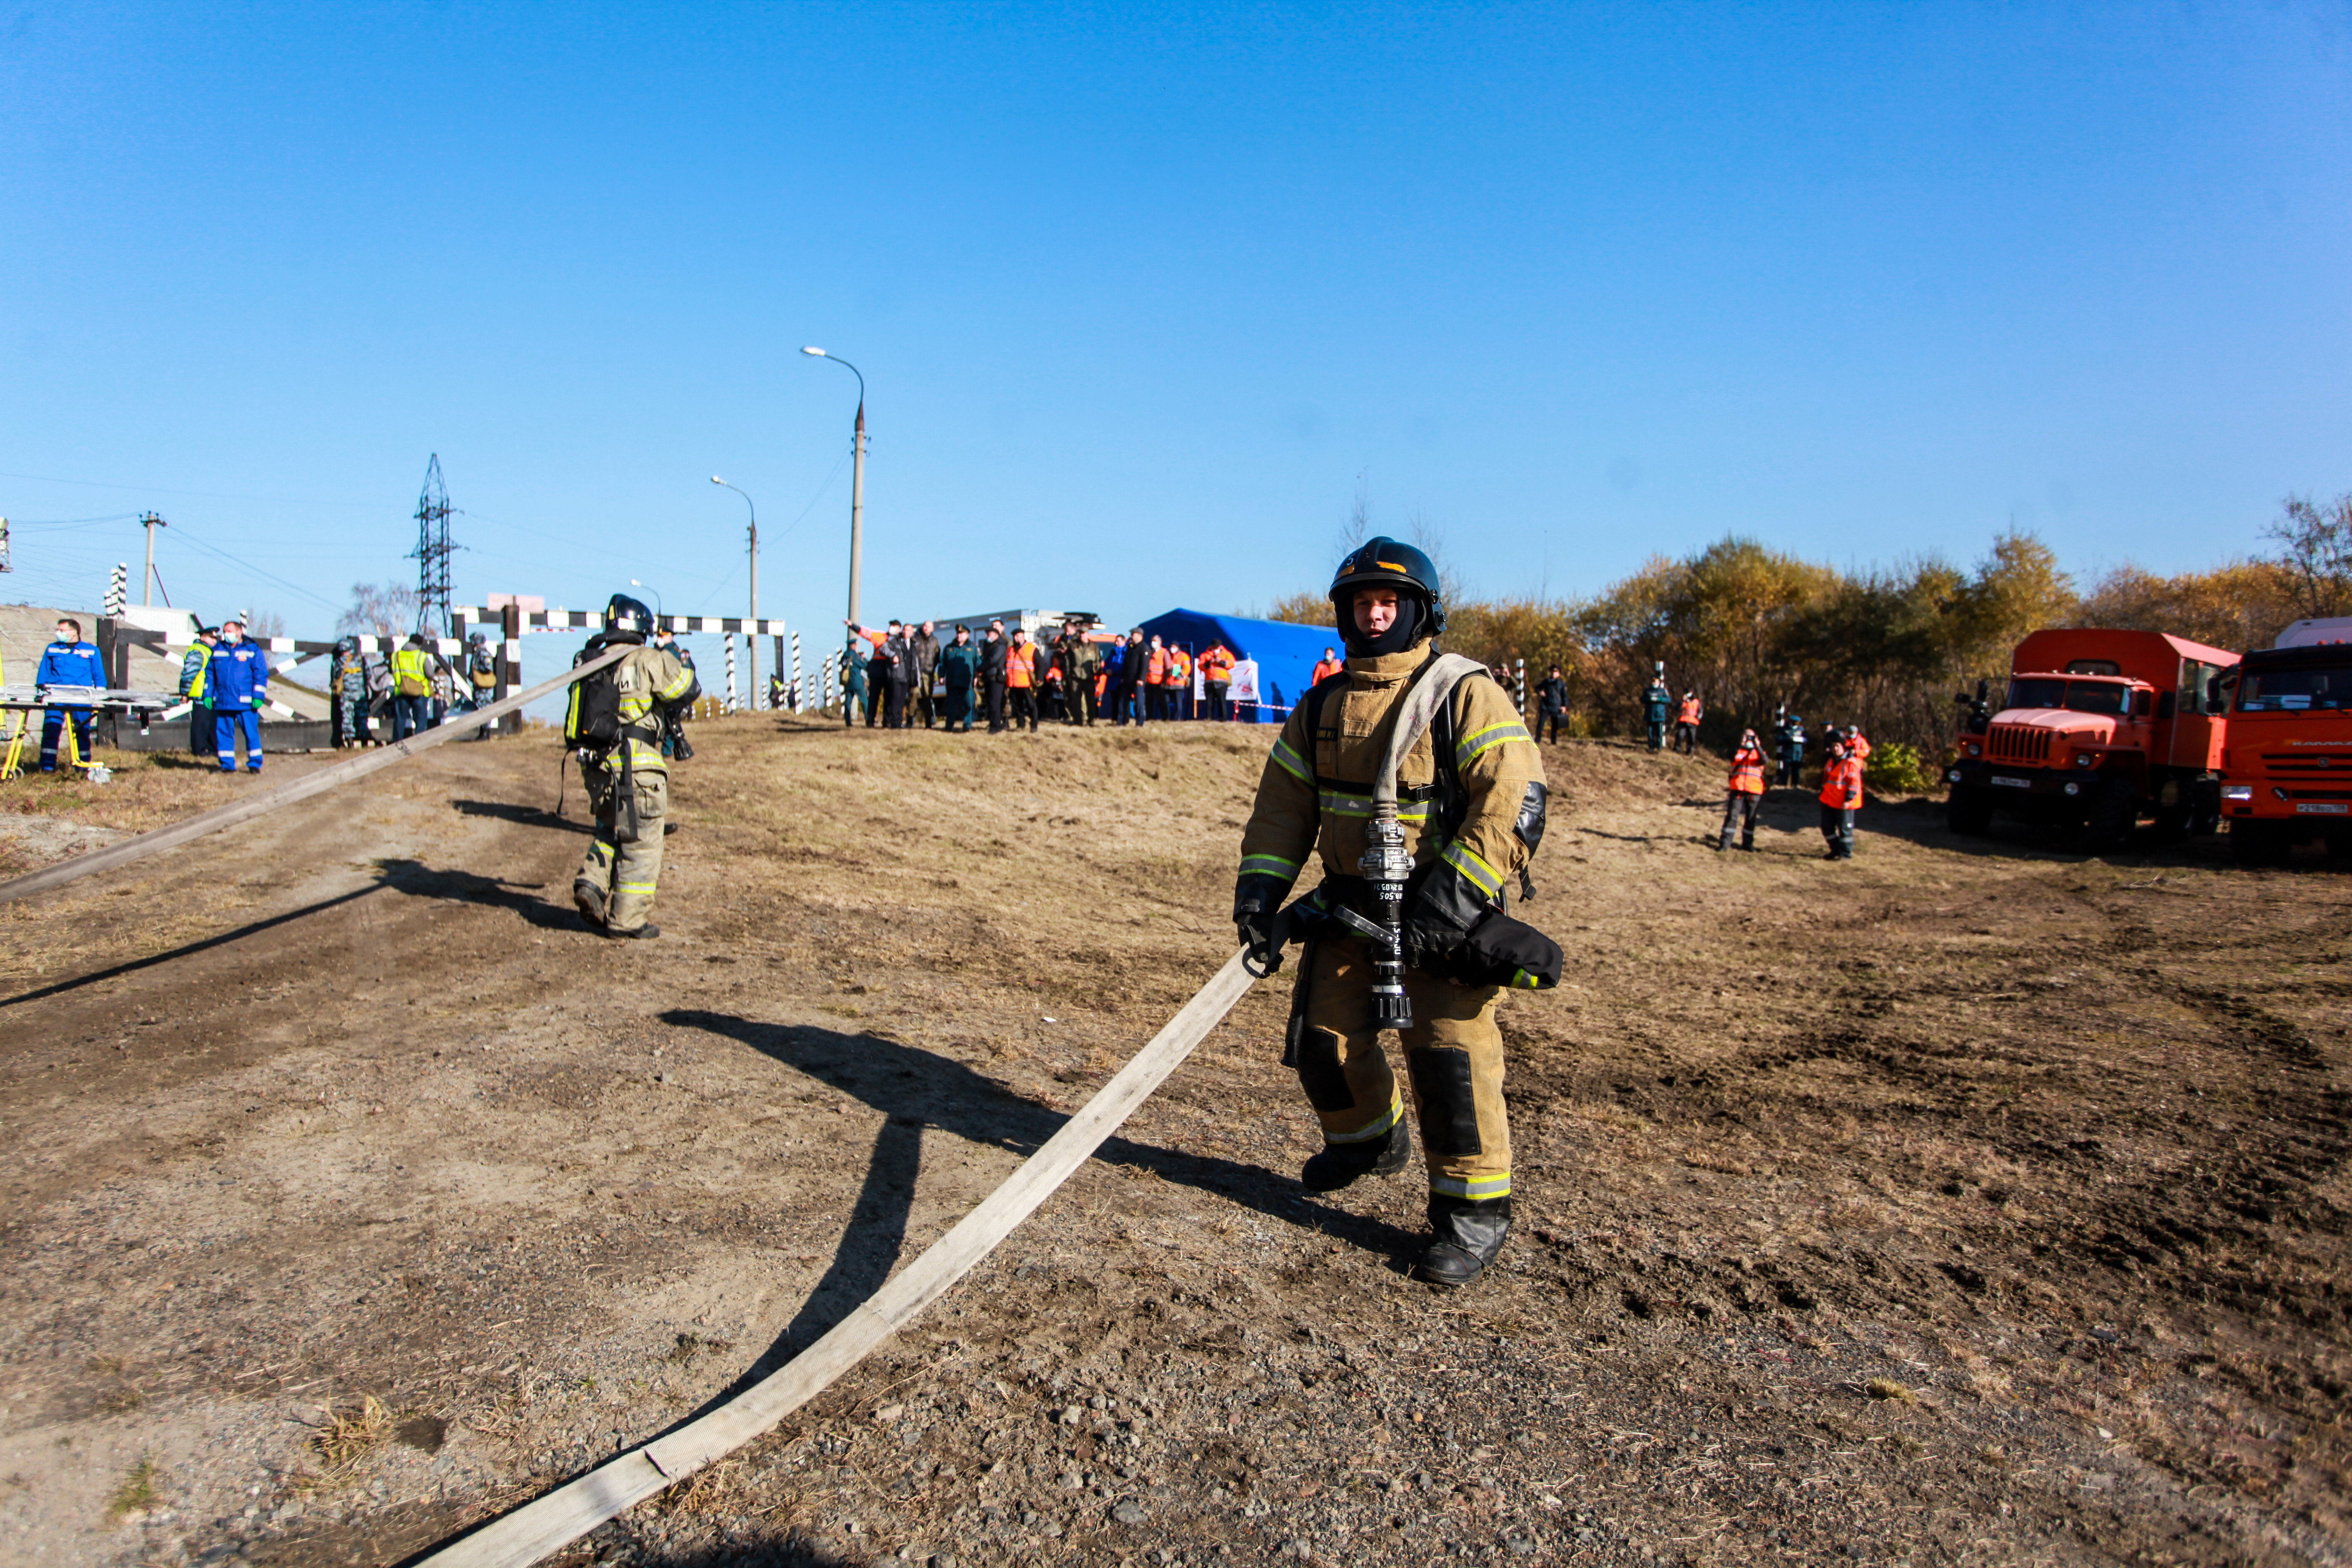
(236, 683)
(68, 661)
(1471, 798)
(191, 687)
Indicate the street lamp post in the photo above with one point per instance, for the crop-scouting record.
(151, 522)
(856, 479)
(751, 633)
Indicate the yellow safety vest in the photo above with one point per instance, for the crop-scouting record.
(411, 672)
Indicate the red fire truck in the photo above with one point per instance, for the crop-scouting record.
(2098, 730)
(2286, 769)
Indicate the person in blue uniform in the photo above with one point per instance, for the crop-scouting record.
(68, 661)
(238, 679)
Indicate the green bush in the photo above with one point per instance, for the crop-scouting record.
(1894, 768)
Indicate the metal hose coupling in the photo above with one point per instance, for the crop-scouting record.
(1385, 867)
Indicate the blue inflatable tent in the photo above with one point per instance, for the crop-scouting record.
(1286, 652)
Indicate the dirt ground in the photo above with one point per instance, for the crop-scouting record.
(1972, 1202)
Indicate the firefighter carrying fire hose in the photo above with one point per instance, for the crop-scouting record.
(1406, 931)
(614, 723)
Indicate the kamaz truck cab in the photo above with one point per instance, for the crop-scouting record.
(2287, 767)
(2098, 729)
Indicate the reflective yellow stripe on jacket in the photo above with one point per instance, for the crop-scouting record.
(647, 675)
(1488, 739)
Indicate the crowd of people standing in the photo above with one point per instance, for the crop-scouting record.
(904, 674)
(410, 689)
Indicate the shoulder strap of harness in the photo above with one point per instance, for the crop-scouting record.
(1432, 689)
(1436, 680)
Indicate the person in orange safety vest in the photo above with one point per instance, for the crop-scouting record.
(1743, 791)
(1325, 668)
(1216, 675)
(1687, 719)
(1840, 797)
(1155, 681)
(1023, 680)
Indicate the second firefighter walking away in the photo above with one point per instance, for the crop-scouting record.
(1468, 797)
(614, 722)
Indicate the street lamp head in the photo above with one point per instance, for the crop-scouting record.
(717, 480)
(813, 349)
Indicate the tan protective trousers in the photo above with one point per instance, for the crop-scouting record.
(625, 873)
(1454, 1060)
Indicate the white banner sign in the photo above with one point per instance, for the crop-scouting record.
(1244, 687)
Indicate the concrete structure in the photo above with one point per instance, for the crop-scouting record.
(27, 629)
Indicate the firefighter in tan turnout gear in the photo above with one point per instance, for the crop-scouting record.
(1469, 798)
(615, 722)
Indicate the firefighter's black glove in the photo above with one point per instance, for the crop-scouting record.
(1439, 917)
(1430, 938)
(1257, 899)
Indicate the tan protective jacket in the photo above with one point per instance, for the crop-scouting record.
(1316, 793)
(646, 675)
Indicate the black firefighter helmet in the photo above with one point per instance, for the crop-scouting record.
(627, 620)
(1390, 563)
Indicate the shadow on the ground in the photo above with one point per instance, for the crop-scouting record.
(1920, 820)
(411, 877)
(528, 816)
(915, 1088)
(786, 1554)
(188, 950)
(623, 1541)
(415, 878)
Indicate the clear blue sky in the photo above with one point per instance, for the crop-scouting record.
(1141, 292)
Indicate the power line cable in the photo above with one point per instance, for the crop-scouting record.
(210, 495)
(248, 566)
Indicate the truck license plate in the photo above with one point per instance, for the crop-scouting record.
(2323, 807)
(2011, 784)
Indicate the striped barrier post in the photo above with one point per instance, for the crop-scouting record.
(797, 687)
(729, 708)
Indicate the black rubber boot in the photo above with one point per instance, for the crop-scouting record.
(1470, 1232)
(589, 900)
(1341, 1164)
(644, 932)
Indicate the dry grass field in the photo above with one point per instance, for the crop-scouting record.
(1974, 1202)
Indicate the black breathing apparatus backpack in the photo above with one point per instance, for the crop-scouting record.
(592, 716)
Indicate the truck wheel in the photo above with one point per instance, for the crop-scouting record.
(1969, 812)
(2172, 824)
(2113, 815)
(2257, 843)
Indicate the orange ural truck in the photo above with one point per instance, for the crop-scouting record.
(2098, 730)
(2286, 770)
